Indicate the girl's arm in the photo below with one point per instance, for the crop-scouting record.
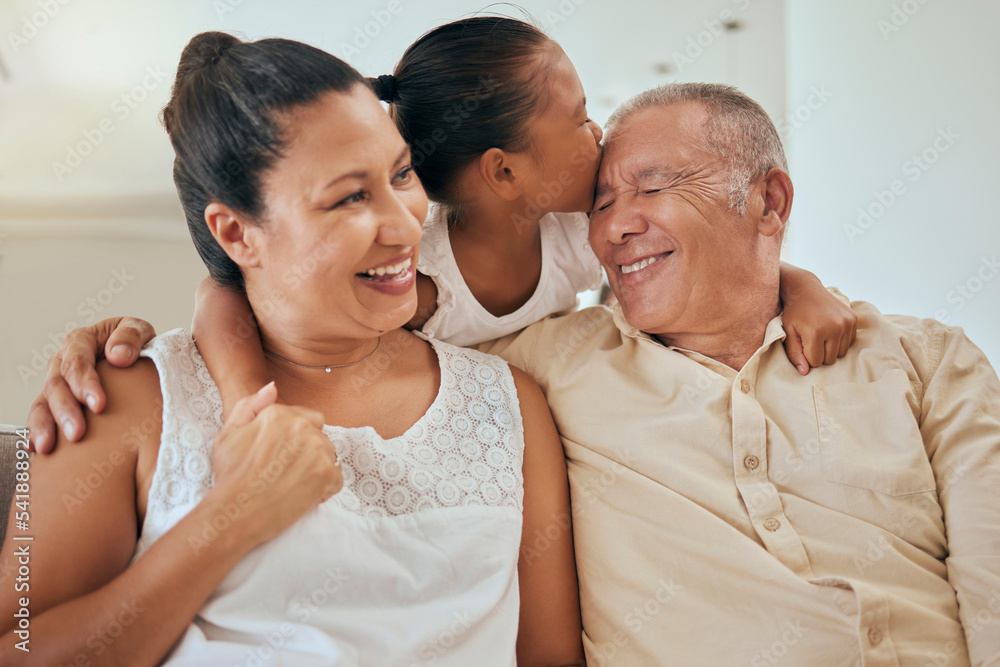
(226, 333)
(550, 631)
(426, 302)
(819, 327)
(227, 338)
(85, 605)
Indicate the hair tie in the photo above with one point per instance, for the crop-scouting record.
(387, 88)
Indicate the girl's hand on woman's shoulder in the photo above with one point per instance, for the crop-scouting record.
(72, 380)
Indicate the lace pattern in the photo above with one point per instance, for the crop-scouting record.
(465, 450)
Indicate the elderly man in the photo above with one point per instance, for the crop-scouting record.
(728, 510)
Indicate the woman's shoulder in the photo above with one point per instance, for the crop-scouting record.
(120, 445)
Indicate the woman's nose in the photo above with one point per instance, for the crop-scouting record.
(400, 221)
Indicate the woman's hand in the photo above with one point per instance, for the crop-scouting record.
(272, 463)
(72, 380)
(819, 327)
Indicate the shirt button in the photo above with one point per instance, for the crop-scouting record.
(874, 636)
(772, 524)
(745, 386)
(751, 462)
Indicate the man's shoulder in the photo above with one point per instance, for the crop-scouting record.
(897, 326)
(923, 342)
(556, 338)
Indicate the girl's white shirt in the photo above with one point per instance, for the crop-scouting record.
(568, 268)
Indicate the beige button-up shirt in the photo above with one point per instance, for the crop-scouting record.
(849, 517)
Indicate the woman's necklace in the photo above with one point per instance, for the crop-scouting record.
(378, 342)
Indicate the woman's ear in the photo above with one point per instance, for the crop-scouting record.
(239, 239)
(501, 171)
(778, 194)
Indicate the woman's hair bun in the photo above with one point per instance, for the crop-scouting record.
(203, 50)
(385, 87)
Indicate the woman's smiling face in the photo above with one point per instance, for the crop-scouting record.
(344, 211)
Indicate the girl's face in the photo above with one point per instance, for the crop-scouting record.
(342, 229)
(566, 144)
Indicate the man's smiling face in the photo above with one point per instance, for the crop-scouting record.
(674, 252)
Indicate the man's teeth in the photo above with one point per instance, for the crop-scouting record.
(390, 270)
(626, 269)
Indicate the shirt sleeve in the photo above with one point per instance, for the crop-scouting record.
(517, 348)
(960, 425)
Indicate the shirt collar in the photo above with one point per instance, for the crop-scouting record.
(774, 332)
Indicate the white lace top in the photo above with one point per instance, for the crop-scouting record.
(569, 267)
(414, 562)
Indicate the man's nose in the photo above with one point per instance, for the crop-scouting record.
(623, 220)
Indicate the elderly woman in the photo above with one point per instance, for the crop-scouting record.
(381, 523)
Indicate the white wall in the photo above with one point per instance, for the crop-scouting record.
(903, 80)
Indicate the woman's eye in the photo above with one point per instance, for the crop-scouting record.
(652, 192)
(403, 175)
(352, 198)
(604, 206)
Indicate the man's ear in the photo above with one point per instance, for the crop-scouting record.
(777, 192)
(238, 239)
(501, 171)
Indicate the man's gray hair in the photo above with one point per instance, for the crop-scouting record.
(737, 130)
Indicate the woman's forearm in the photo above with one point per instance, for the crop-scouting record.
(136, 618)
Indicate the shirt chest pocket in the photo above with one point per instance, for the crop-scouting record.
(869, 437)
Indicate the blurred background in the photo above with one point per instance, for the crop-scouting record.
(887, 109)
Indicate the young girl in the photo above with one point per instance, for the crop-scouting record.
(496, 117)
(497, 122)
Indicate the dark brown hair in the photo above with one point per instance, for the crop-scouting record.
(223, 125)
(463, 88)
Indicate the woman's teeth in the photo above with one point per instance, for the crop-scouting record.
(626, 269)
(393, 270)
